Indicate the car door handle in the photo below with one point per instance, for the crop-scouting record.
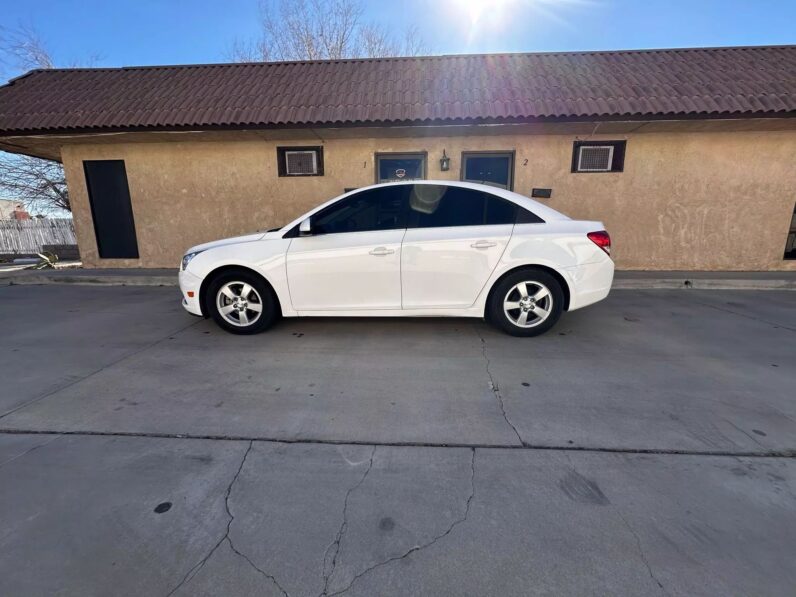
(482, 244)
(379, 251)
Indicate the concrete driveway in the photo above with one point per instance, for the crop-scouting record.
(645, 446)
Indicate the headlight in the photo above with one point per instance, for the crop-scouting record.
(187, 259)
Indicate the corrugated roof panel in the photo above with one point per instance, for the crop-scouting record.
(750, 81)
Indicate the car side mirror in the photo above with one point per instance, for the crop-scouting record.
(305, 228)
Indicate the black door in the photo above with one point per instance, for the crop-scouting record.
(111, 209)
(790, 245)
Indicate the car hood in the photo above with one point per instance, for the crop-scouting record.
(246, 238)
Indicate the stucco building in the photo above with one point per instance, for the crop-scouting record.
(686, 155)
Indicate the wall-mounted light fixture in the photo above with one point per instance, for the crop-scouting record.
(444, 162)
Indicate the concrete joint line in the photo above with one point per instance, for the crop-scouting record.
(230, 517)
(493, 386)
(435, 539)
(784, 453)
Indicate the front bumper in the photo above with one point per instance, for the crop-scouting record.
(189, 286)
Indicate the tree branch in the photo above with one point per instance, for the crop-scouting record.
(321, 30)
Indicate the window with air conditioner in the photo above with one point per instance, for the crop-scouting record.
(300, 161)
(598, 156)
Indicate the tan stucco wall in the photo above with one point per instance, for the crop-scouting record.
(686, 200)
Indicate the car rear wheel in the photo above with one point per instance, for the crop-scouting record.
(241, 302)
(526, 303)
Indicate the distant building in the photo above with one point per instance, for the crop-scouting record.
(13, 210)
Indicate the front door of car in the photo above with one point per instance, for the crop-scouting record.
(454, 240)
(351, 260)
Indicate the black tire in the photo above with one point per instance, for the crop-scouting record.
(262, 295)
(552, 303)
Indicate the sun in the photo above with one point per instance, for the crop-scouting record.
(475, 9)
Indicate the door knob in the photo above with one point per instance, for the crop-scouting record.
(482, 244)
(378, 251)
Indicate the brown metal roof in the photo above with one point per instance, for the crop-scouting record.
(680, 83)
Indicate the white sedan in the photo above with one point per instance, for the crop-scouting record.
(413, 248)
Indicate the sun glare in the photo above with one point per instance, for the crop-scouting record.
(499, 17)
(475, 9)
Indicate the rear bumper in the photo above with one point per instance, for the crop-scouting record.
(189, 286)
(590, 282)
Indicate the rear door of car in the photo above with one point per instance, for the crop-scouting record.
(454, 240)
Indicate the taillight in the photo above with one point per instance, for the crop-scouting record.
(601, 239)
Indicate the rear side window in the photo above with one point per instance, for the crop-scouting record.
(527, 217)
(375, 209)
(438, 206)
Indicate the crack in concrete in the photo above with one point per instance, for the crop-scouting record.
(746, 433)
(200, 564)
(639, 547)
(641, 553)
(65, 386)
(270, 577)
(29, 450)
(434, 540)
(341, 531)
(493, 386)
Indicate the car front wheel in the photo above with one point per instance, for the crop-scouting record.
(526, 303)
(241, 302)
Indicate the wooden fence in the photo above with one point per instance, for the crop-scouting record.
(28, 236)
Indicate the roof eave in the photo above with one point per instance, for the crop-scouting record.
(402, 123)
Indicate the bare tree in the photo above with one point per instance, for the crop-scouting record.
(320, 30)
(413, 43)
(248, 51)
(377, 42)
(39, 184)
(22, 49)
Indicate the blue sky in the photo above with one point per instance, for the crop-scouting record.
(130, 32)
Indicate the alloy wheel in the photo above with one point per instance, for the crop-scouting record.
(239, 303)
(528, 304)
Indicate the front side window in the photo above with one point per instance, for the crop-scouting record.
(438, 206)
(375, 209)
(391, 167)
